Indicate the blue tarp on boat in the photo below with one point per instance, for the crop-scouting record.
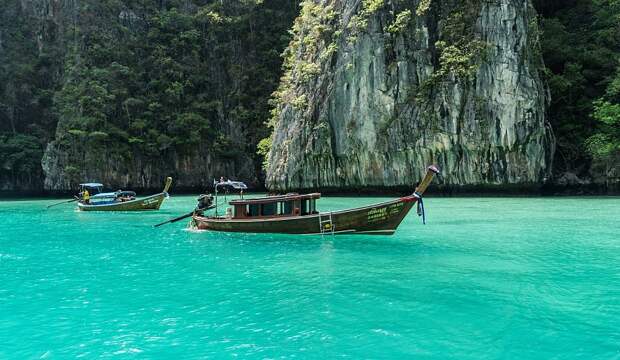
(92, 185)
(108, 195)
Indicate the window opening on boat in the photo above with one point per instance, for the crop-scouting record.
(288, 208)
(283, 209)
(252, 210)
(268, 209)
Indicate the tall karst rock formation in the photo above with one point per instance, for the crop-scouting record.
(375, 90)
(127, 92)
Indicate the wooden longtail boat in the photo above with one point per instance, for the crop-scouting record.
(297, 214)
(121, 200)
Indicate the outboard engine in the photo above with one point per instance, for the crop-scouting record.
(204, 201)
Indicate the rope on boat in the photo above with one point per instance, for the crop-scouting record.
(420, 207)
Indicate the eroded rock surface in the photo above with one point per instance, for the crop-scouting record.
(385, 103)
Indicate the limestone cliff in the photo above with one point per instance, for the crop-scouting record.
(375, 90)
(127, 93)
(66, 166)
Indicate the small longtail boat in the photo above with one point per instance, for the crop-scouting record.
(119, 200)
(297, 214)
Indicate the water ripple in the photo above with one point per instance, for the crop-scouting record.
(486, 278)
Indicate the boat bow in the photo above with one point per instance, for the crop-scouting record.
(431, 171)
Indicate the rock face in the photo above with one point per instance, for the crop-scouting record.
(385, 88)
(28, 42)
(195, 171)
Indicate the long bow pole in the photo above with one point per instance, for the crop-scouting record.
(63, 202)
(183, 216)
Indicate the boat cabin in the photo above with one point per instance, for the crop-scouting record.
(275, 206)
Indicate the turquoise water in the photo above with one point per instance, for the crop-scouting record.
(486, 278)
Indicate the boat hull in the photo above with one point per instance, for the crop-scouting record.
(152, 202)
(378, 219)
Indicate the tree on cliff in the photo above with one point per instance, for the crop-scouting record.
(30, 57)
(604, 145)
(581, 48)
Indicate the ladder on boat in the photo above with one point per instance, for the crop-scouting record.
(326, 224)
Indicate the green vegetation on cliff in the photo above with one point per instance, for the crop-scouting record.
(29, 64)
(133, 80)
(161, 78)
(581, 49)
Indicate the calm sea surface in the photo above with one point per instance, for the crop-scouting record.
(486, 278)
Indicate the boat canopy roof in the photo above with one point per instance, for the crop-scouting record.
(276, 198)
(238, 185)
(92, 185)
